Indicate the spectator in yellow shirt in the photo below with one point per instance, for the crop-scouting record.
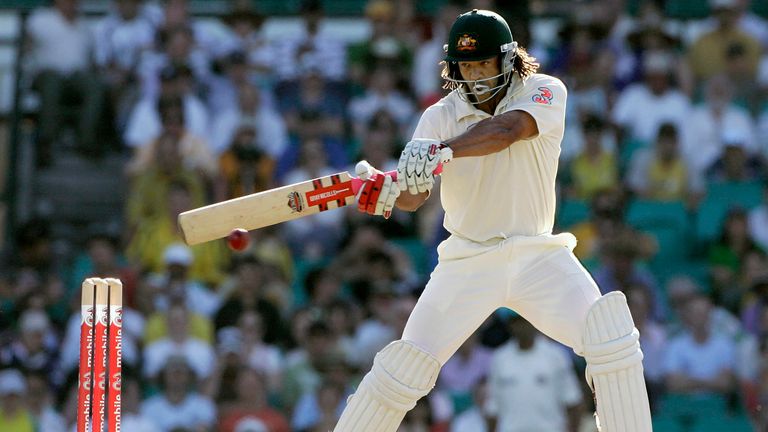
(594, 168)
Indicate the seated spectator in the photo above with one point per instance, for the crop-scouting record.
(149, 189)
(531, 384)
(699, 361)
(313, 43)
(653, 340)
(250, 288)
(270, 136)
(422, 418)
(641, 108)
(312, 92)
(726, 258)
(145, 122)
(380, 144)
(251, 405)
(713, 119)
(736, 164)
(261, 356)
(176, 281)
(378, 328)
(464, 371)
(194, 151)
(14, 415)
(680, 289)
(35, 348)
(383, 47)
(302, 369)
(102, 258)
(323, 287)
(223, 90)
(620, 269)
(177, 48)
(247, 36)
(149, 241)
(179, 342)
(121, 38)
(757, 220)
(593, 168)
(473, 418)
(311, 128)
(42, 404)
(606, 219)
(318, 411)
(661, 173)
(708, 55)
(179, 404)
(61, 51)
(380, 93)
(132, 419)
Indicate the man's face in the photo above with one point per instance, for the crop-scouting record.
(481, 70)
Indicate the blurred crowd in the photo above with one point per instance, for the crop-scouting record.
(663, 180)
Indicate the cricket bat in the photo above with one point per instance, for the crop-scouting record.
(271, 207)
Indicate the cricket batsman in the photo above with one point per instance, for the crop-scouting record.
(497, 136)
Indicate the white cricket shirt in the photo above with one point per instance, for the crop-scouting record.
(511, 191)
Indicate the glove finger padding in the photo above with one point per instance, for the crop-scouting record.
(418, 161)
(387, 197)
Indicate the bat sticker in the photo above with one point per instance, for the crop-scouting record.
(295, 202)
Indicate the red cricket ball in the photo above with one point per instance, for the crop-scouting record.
(238, 239)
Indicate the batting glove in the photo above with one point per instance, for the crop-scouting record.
(420, 158)
(379, 192)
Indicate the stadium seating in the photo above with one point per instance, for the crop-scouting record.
(720, 198)
(571, 212)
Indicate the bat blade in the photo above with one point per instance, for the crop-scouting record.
(268, 207)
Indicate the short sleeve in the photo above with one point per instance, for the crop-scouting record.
(544, 99)
(429, 124)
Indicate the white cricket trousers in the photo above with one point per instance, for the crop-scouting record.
(536, 276)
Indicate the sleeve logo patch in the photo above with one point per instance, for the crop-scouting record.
(466, 43)
(544, 96)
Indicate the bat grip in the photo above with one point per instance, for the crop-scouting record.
(357, 182)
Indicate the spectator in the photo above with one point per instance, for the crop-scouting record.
(179, 404)
(606, 219)
(62, 47)
(322, 287)
(14, 416)
(245, 167)
(270, 133)
(661, 173)
(146, 121)
(620, 268)
(758, 221)
(465, 371)
(653, 340)
(641, 108)
(259, 355)
(132, 419)
(312, 92)
(380, 94)
(314, 44)
(176, 282)
(699, 361)
(40, 403)
(378, 328)
(708, 55)
(318, 411)
(251, 405)
(726, 257)
(711, 120)
(302, 374)
(247, 36)
(736, 164)
(121, 39)
(426, 62)
(680, 289)
(422, 419)
(311, 128)
(250, 287)
(593, 168)
(179, 342)
(36, 349)
(474, 418)
(531, 384)
(383, 48)
(150, 240)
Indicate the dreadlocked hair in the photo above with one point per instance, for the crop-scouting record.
(524, 65)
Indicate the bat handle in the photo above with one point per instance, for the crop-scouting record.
(357, 183)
